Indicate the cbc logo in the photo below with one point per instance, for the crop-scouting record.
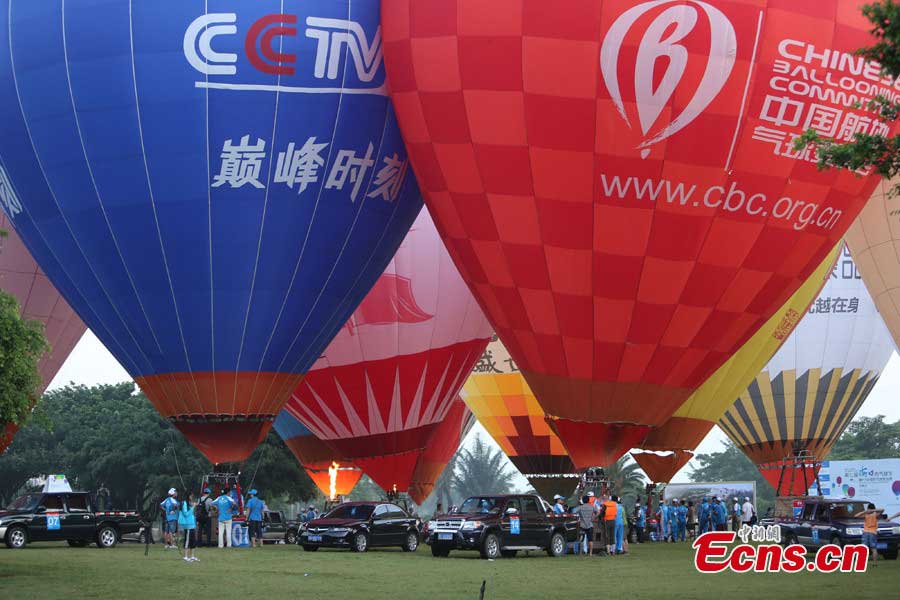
(262, 44)
(662, 39)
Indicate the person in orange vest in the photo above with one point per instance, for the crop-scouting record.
(609, 510)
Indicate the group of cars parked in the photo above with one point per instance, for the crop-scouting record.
(494, 525)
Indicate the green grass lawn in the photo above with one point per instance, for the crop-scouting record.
(652, 570)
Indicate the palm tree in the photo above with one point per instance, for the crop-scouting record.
(481, 469)
(625, 479)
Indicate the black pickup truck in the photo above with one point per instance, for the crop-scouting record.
(69, 516)
(276, 528)
(501, 526)
(816, 521)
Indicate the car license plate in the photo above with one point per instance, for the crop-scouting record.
(881, 545)
(314, 538)
(445, 536)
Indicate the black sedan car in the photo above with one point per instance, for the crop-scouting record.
(360, 526)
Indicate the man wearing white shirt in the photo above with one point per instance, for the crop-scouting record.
(747, 512)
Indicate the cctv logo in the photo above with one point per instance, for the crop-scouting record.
(661, 45)
(337, 43)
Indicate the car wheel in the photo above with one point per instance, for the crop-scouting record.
(308, 548)
(557, 545)
(360, 542)
(490, 547)
(290, 537)
(106, 537)
(412, 542)
(890, 554)
(509, 553)
(835, 540)
(16, 538)
(439, 551)
(789, 539)
(77, 543)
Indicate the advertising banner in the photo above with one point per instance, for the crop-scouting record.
(724, 489)
(876, 481)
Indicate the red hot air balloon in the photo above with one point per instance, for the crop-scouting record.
(617, 184)
(39, 301)
(388, 380)
(441, 447)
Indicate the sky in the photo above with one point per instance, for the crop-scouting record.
(91, 364)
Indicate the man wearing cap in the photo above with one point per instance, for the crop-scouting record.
(736, 515)
(204, 519)
(640, 521)
(225, 504)
(719, 515)
(559, 505)
(748, 512)
(169, 507)
(255, 508)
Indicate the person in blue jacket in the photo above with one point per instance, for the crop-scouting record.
(255, 508)
(187, 522)
(620, 525)
(680, 521)
(704, 515)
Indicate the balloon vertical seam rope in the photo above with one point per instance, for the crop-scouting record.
(312, 220)
(303, 357)
(262, 225)
(212, 296)
(162, 246)
(56, 202)
(90, 170)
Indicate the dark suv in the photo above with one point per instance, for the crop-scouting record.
(360, 526)
(815, 522)
(501, 526)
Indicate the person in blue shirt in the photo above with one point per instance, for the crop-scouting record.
(662, 518)
(559, 505)
(620, 525)
(640, 520)
(187, 522)
(255, 508)
(680, 521)
(169, 508)
(226, 505)
(720, 514)
(705, 509)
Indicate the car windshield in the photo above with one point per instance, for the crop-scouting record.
(846, 511)
(478, 504)
(351, 511)
(26, 502)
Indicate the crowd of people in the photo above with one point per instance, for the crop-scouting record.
(196, 520)
(677, 520)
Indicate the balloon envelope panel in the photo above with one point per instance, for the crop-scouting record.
(441, 447)
(392, 373)
(617, 182)
(211, 187)
(815, 384)
(501, 400)
(697, 416)
(39, 301)
(874, 239)
(315, 456)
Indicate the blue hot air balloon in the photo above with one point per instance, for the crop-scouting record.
(212, 185)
